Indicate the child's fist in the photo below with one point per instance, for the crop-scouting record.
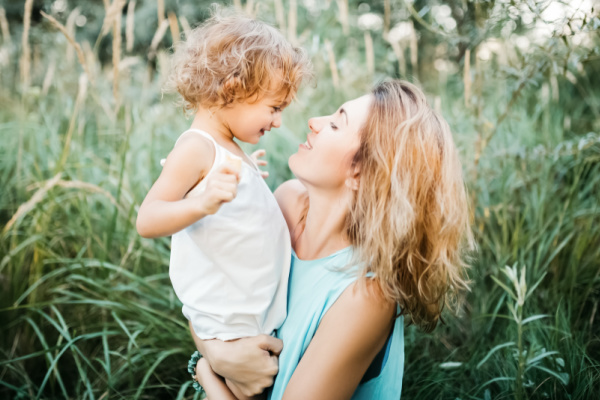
(221, 187)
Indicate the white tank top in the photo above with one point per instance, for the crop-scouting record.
(230, 269)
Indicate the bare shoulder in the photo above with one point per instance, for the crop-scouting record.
(364, 299)
(348, 338)
(291, 197)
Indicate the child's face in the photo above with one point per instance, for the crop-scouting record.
(248, 121)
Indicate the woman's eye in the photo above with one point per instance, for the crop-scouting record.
(277, 109)
(333, 126)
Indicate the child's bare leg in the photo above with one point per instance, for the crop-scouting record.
(238, 393)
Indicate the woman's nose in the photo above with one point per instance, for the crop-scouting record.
(315, 124)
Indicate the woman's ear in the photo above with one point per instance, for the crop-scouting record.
(354, 179)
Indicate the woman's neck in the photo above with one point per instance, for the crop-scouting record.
(324, 228)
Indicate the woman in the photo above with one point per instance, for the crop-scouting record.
(379, 222)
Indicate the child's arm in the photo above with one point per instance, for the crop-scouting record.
(164, 211)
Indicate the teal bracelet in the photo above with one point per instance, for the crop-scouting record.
(192, 370)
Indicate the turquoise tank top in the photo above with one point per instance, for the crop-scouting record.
(313, 287)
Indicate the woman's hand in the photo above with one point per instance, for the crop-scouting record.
(249, 363)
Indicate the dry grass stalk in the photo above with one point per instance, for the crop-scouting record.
(399, 52)
(387, 17)
(130, 25)
(112, 12)
(467, 78)
(26, 56)
(63, 29)
(414, 50)
(280, 15)
(369, 53)
(81, 96)
(292, 21)
(32, 202)
(48, 78)
(116, 56)
(237, 4)
(160, 8)
(158, 36)
(4, 26)
(185, 25)
(250, 9)
(106, 4)
(335, 77)
(70, 26)
(174, 26)
(343, 9)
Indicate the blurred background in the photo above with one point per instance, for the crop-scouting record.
(86, 306)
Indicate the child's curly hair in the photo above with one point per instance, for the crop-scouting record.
(232, 58)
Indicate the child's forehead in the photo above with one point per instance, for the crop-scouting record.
(278, 95)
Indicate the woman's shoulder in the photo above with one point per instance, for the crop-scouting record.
(292, 199)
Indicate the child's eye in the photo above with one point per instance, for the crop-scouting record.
(333, 126)
(277, 109)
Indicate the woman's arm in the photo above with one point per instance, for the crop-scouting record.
(250, 363)
(164, 211)
(347, 340)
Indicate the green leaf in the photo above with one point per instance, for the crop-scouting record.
(492, 351)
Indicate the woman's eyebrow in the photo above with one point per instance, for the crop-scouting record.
(342, 111)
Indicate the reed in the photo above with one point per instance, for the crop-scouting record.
(48, 77)
(71, 40)
(185, 25)
(414, 50)
(130, 26)
(174, 27)
(70, 27)
(116, 56)
(250, 8)
(369, 52)
(467, 77)
(343, 16)
(280, 14)
(26, 51)
(6, 39)
(160, 9)
(335, 77)
(292, 21)
(156, 39)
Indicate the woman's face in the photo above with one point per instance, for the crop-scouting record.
(325, 159)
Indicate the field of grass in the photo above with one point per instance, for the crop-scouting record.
(86, 306)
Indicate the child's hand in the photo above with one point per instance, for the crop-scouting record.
(221, 187)
(255, 157)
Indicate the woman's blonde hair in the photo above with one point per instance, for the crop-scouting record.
(232, 58)
(409, 221)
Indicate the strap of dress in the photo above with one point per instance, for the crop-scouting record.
(201, 133)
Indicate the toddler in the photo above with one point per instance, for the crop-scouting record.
(230, 248)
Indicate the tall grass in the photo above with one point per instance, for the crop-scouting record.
(86, 304)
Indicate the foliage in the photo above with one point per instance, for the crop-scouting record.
(86, 304)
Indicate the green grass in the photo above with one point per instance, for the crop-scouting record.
(86, 305)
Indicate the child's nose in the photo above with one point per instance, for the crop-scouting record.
(276, 120)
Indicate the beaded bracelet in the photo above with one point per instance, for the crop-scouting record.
(196, 356)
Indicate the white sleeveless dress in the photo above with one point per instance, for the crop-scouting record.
(230, 269)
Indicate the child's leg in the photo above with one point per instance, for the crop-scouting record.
(238, 393)
(213, 384)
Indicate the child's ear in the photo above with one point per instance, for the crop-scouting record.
(231, 86)
(354, 179)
